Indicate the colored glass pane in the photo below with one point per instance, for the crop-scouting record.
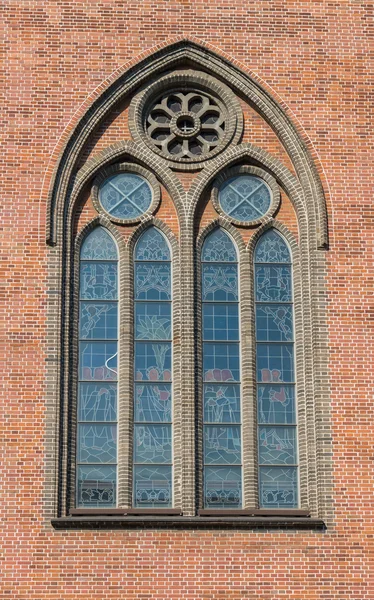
(98, 245)
(223, 487)
(98, 320)
(96, 486)
(152, 246)
(244, 198)
(271, 248)
(218, 247)
(152, 281)
(220, 283)
(153, 486)
(125, 195)
(221, 403)
(278, 487)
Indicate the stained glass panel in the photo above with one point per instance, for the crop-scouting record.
(221, 362)
(152, 281)
(96, 486)
(273, 284)
(277, 445)
(275, 363)
(223, 487)
(97, 443)
(98, 320)
(221, 403)
(98, 281)
(153, 486)
(152, 444)
(97, 402)
(153, 320)
(218, 247)
(152, 246)
(152, 361)
(222, 445)
(244, 198)
(271, 248)
(98, 245)
(274, 322)
(278, 487)
(220, 283)
(276, 404)
(220, 322)
(153, 403)
(125, 195)
(98, 361)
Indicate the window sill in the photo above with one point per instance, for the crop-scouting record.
(244, 520)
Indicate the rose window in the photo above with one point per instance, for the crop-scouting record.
(186, 125)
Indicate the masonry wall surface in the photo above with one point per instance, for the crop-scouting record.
(314, 58)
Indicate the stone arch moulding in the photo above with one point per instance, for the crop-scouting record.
(173, 55)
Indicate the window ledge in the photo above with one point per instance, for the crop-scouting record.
(180, 522)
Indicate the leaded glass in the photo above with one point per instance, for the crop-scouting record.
(277, 445)
(152, 246)
(278, 487)
(125, 195)
(97, 401)
(221, 367)
(152, 401)
(244, 198)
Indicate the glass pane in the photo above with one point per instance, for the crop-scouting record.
(218, 247)
(97, 443)
(98, 361)
(275, 363)
(153, 321)
(125, 195)
(152, 444)
(98, 320)
(221, 362)
(152, 245)
(277, 445)
(152, 281)
(222, 445)
(278, 487)
(152, 362)
(221, 403)
(153, 403)
(97, 486)
(273, 284)
(276, 404)
(220, 283)
(98, 245)
(97, 402)
(220, 322)
(98, 281)
(245, 198)
(271, 248)
(152, 487)
(274, 322)
(223, 487)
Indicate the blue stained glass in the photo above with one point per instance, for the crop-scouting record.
(220, 322)
(97, 402)
(97, 443)
(273, 283)
(222, 445)
(245, 198)
(221, 403)
(277, 445)
(223, 487)
(152, 486)
(278, 487)
(221, 362)
(153, 320)
(96, 486)
(218, 247)
(152, 362)
(98, 320)
(98, 281)
(125, 195)
(98, 245)
(152, 281)
(274, 322)
(220, 283)
(271, 248)
(275, 363)
(153, 403)
(98, 361)
(276, 404)
(152, 246)
(152, 444)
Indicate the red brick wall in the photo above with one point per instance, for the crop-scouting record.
(313, 57)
